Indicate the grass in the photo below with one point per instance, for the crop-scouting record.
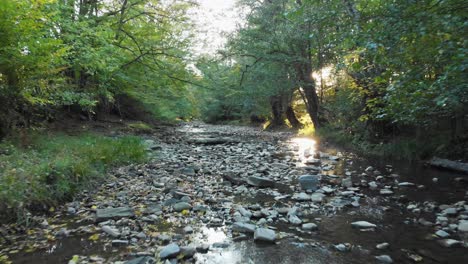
(140, 127)
(52, 168)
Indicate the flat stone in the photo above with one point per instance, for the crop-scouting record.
(260, 181)
(188, 251)
(463, 226)
(243, 227)
(450, 211)
(301, 196)
(386, 191)
(309, 182)
(111, 231)
(347, 183)
(141, 260)
(442, 234)
(384, 259)
(293, 219)
(119, 243)
(317, 197)
(113, 213)
(384, 245)
(264, 234)
(449, 243)
(309, 226)
(179, 207)
(169, 251)
(363, 225)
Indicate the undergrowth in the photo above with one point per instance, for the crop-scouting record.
(52, 168)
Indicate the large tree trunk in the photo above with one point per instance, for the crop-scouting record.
(277, 111)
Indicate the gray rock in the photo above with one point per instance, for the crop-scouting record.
(384, 245)
(317, 197)
(363, 225)
(264, 234)
(301, 196)
(442, 234)
(188, 230)
(141, 260)
(386, 191)
(293, 219)
(450, 211)
(113, 213)
(342, 247)
(384, 259)
(260, 181)
(188, 251)
(309, 226)
(449, 243)
(179, 207)
(243, 227)
(347, 183)
(309, 182)
(111, 231)
(463, 226)
(119, 243)
(169, 251)
(71, 210)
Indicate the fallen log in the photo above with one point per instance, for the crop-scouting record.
(449, 164)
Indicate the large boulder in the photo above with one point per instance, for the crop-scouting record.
(309, 182)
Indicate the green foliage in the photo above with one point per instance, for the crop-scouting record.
(57, 53)
(55, 167)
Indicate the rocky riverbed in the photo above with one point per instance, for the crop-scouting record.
(227, 194)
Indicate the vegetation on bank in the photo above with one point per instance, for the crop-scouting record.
(386, 75)
(43, 169)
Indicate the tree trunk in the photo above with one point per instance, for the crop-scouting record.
(304, 71)
(277, 111)
(295, 123)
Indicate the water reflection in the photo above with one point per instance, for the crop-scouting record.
(305, 147)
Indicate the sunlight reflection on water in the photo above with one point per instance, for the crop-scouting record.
(305, 147)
